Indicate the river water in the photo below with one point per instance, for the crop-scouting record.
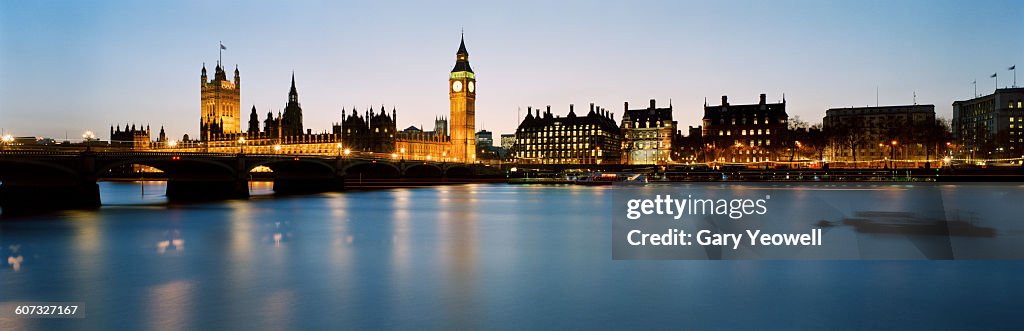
(454, 257)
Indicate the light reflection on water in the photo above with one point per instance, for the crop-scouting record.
(458, 257)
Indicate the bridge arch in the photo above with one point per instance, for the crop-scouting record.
(294, 166)
(172, 167)
(424, 170)
(371, 169)
(12, 170)
(459, 171)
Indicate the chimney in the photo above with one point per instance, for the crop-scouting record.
(652, 103)
(591, 106)
(762, 98)
(570, 108)
(529, 110)
(549, 109)
(625, 105)
(725, 100)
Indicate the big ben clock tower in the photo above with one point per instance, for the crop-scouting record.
(462, 92)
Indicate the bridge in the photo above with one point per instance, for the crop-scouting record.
(35, 180)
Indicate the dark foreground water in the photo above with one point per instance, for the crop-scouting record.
(458, 257)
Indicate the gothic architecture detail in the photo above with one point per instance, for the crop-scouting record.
(462, 93)
(291, 121)
(219, 102)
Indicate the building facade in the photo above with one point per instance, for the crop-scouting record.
(462, 94)
(886, 132)
(647, 134)
(507, 141)
(550, 139)
(745, 133)
(371, 132)
(131, 137)
(989, 126)
(453, 139)
(220, 110)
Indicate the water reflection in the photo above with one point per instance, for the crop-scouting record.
(486, 256)
(174, 242)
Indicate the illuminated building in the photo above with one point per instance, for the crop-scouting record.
(462, 94)
(882, 125)
(647, 135)
(453, 139)
(745, 133)
(549, 139)
(990, 126)
(219, 104)
(507, 140)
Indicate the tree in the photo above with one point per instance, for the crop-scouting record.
(849, 133)
(796, 130)
(934, 135)
(816, 140)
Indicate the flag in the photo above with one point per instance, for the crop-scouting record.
(1013, 67)
(993, 75)
(222, 46)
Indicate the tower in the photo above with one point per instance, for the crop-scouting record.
(219, 104)
(254, 122)
(291, 121)
(462, 94)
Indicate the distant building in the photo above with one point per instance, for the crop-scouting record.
(220, 111)
(990, 126)
(647, 134)
(371, 132)
(130, 137)
(745, 133)
(879, 127)
(691, 147)
(550, 139)
(484, 138)
(507, 140)
(291, 120)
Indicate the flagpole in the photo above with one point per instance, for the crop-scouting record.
(220, 52)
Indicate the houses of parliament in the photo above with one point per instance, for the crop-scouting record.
(372, 130)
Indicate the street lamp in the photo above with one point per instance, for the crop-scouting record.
(172, 143)
(7, 140)
(88, 137)
(241, 145)
(347, 151)
(277, 147)
(881, 147)
(892, 154)
(402, 150)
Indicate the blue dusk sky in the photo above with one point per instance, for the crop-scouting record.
(67, 67)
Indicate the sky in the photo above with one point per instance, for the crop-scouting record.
(68, 67)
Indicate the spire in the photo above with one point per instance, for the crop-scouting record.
(293, 94)
(462, 57)
(462, 45)
(293, 84)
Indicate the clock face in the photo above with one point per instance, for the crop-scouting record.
(457, 86)
(472, 87)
